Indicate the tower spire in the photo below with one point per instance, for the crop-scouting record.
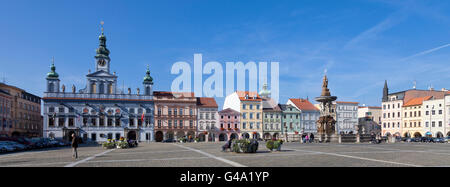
(385, 92)
(148, 79)
(102, 51)
(52, 73)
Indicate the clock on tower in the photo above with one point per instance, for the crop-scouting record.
(102, 56)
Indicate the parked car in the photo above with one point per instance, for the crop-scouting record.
(17, 146)
(24, 141)
(37, 143)
(447, 139)
(5, 147)
(170, 140)
(439, 140)
(42, 142)
(61, 142)
(427, 139)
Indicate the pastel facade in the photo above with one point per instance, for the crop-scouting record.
(6, 121)
(228, 125)
(290, 120)
(22, 112)
(308, 116)
(207, 119)
(412, 117)
(272, 124)
(175, 115)
(249, 105)
(392, 121)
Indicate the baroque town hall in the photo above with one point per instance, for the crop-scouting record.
(99, 111)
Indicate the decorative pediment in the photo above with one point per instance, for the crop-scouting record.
(101, 73)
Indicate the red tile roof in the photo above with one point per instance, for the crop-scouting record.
(251, 95)
(304, 104)
(206, 102)
(417, 101)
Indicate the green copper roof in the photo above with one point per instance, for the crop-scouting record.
(53, 73)
(102, 51)
(148, 79)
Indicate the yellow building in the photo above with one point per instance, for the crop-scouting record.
(249, 105)
(412, 117)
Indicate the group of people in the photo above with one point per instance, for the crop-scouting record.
(308, 138)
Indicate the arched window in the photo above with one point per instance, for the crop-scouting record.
(110, 88)
(93, 88)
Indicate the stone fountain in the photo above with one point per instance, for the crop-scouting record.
(326, 129)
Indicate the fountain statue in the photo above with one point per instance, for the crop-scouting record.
(326, 129)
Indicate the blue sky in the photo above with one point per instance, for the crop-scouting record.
(360, 43)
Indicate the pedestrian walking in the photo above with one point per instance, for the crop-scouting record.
(311, 138)
(74, 146)
(307, 139)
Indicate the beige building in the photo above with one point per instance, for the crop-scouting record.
(392, 120)
(373, 112)
(412, 120)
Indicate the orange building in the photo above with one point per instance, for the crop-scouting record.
(24, 112)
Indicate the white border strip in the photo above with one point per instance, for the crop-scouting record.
(87, 159)
(235, 164)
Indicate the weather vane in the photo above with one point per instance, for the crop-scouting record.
(102, 23)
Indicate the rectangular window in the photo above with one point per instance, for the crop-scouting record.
(71, 124)
(102, 122)
(117, 122)
(93, 121)
(110, 122)
(60, 122)
(131, 122)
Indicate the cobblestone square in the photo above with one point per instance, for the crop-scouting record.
(210, 155)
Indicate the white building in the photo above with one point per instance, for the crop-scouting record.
(207, 118)
(447, 114)
(346, 116)
(433, 112)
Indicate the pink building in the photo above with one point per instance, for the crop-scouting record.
(229, 123)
